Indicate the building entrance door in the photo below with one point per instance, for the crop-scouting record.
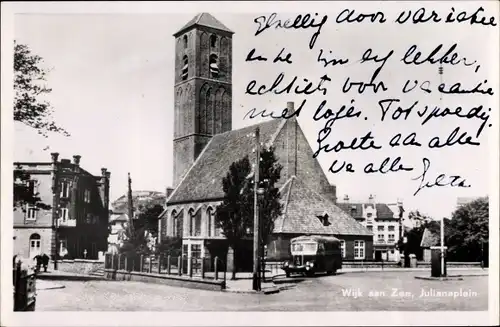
(35, 245)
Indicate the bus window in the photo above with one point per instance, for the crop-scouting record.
(304, 247)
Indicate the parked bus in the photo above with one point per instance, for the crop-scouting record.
(312, 254)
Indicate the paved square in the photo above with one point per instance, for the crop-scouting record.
(390, 291)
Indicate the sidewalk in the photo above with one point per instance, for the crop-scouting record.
(63, 275)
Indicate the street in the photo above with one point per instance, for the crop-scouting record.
(390, 291)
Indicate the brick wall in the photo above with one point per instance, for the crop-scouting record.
(200, 90)
(22, 240)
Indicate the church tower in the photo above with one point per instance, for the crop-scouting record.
(203, 88)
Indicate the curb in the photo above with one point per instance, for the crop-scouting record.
(69, 277)
(456, 277)
(269, 290)
(266, 291)
(49, 287)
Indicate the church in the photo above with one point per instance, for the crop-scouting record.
(205, 145)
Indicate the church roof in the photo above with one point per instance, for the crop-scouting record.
(300, 207)
(204, 19)
(204, 179)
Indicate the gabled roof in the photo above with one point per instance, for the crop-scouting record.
(429, 239)
(204, 19)
(300, 206)
(356, 209)
(203, 180)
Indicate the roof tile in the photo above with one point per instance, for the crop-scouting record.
(204, 180)
(205, 19)
(301, 204)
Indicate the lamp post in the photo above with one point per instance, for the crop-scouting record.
(255, 277)
(56, 239)
(440, 71)
(260, 194)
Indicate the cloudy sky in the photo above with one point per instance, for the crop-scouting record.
(112, 79)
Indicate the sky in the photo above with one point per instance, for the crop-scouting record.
(112, 77)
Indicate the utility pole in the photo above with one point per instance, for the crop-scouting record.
(130, 207)
(442, 218)
(256, 234)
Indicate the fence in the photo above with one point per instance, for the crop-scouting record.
(24, 284)
(204, 268)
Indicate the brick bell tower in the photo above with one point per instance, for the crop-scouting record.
(203, 88)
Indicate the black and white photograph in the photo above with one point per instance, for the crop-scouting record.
(213, 163)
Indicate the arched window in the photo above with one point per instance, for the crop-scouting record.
(191, 222)
(211, 221)
(214, 66)
(213, 41)
(185, 41)
(184, 73)
(175, 224)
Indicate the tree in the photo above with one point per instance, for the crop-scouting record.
(29, 78)
(469, 231)
(30, 110)
(145, 227)
(148, 218)
(236, 212)
(25, 192)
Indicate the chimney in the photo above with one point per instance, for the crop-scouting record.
(371, 199)
(290, 108)
(346, 198)
(54, 156)
(103, 172)
(291, 142)
(76, 159)
(169, 191)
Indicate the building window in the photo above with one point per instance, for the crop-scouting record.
(211, 222)
(30, 212)
(213, 41)
(64, 189)
(64, 214)
(185, 41)
(342, 248)
(391, 228)
(381, 228)
(369, 215)
(184, 73)
(380, 237)
(359, 249)
(175, 223)
(195, 226)
(391, 238)
(214, 66)
(86, 196)
(370, 228)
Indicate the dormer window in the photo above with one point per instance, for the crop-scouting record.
(185, 41)
(323, 218)
(213, 41)
(184, 73)
(214, 66)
